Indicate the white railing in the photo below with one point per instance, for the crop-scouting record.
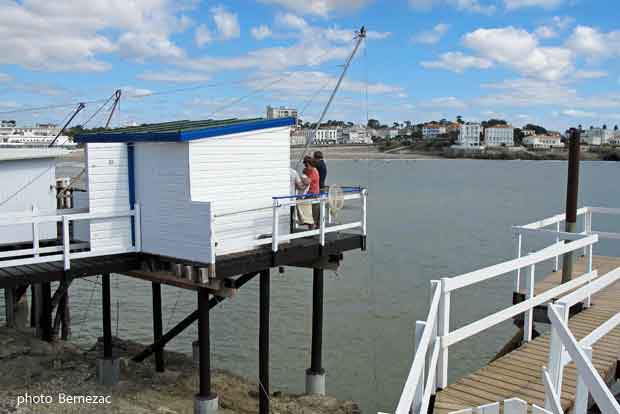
(436, 328)
(541, 228)
(281, 206)
(564, 348)
(511, 406)
(38, 254)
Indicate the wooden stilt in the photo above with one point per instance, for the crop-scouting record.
(35, 307)
(158, 326)
(9, 304)
(204, 345)
(263, 343)
(65, 333)
(107, 316)
(317, 321)
(45, 323)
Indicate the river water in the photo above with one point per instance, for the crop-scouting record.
(427, 219)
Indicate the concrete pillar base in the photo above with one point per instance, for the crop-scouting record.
(108, 371)
(196, 353)
(315, 383)
(206, 405)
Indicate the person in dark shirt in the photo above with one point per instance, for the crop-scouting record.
(322, 167)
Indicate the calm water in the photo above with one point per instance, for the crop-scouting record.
(427, 220)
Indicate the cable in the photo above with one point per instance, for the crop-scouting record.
(98, 110)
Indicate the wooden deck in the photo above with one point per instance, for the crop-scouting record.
(518, 374)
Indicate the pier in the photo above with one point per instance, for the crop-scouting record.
(570, 368)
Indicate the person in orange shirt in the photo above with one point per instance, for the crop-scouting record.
(312, 173)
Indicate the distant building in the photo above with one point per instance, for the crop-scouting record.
(499, 136)
(469, 135)
(615, 139)
(543, 141)
(597, 136)
(324, 135)
(8, 124)
(357, 134)
(528, 132)
(281, 112)
(39, 135)
(298, 136)
(433, 130)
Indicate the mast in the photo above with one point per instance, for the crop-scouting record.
(359, 36)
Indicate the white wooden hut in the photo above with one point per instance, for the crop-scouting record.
(204, 188)
(28, 181)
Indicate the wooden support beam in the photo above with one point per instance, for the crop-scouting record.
(106, 315)
(186, 322)
(263, 343)
(65, 333)
(158, 326)
(9, 304)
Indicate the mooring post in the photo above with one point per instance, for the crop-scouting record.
(572, 191)
(46, 312)
(108, 368)
(158, 329)
(206, 401)
(315, 375)
(263, 343)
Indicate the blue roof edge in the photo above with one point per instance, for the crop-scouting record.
(212, 132)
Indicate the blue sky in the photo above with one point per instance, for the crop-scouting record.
(551, 62)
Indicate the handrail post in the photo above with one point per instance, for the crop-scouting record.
(364, 211)
(582, 393)
(419, 391)
(586, 228)
(557, 240)
(443, 329)
(274, 233)
(137, 227)
(35, 231)
(556, 349)
(590, 265)
(528, 321)
(322, 220)
(435, 284)
(519, 246)
(66, 242)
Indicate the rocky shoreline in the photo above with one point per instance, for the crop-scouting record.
(32, 368)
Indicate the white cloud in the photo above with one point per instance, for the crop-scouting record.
(590, 74)
(4, 77)
(226, 23)
(173, 76)
(594, 44)
(545, 32)
(443, 102)
(321, 8)
(562, 22)
(472, 6)
(519, 50)
(519, 4)
(430, 37)
(578, 113)
(203, 35)
(457, 62)
(260, 32)
(65, 35)
(133, 92)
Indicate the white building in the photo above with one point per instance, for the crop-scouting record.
(597, 136)
(298, 136)
(433, 130)
(281, 112)
(499, 136)
(615, 139)
(528, 132)
(357, 134)
(324, 135)
(215, 189)
(543, 141)
(469, 135)
(39, 135)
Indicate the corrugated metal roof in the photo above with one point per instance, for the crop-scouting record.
(11, 154)
(179, 131)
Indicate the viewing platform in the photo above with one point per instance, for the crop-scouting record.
(566, 370)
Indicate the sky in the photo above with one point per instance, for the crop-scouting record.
(550, 62)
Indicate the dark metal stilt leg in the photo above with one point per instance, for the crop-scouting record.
(263, 344)
(158, 331)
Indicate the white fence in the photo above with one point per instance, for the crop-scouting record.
(511, 406)
(281, 206)
(67, 251)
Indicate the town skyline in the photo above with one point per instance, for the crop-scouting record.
(546, 62)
